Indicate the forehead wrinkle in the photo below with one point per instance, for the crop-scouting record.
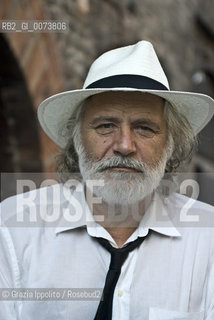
(121, 108)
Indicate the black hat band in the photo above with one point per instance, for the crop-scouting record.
(128, 81)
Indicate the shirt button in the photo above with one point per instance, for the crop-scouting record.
(120, 293)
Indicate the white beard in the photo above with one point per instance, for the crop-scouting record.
(122, 188)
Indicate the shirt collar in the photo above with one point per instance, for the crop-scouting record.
(75, 213)
(156, 217)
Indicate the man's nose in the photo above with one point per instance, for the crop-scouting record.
(124, 142)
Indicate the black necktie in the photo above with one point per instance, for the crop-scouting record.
(118, 257)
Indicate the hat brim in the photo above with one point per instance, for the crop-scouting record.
(54, 112)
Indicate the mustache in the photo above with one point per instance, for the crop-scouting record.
(119, 161)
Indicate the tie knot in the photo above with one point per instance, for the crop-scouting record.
(117, 259)
(119, 255)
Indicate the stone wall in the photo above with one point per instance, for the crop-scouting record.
(181, 31)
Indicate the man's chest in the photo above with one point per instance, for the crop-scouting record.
(163, 274)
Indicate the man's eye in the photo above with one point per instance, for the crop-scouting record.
(105, 128)
(145, 131)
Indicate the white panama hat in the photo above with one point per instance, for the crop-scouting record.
(131, 68)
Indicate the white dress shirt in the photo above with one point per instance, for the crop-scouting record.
(169, 277)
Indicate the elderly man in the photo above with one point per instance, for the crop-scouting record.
(150, 253)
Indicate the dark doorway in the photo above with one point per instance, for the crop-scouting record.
(19, 139)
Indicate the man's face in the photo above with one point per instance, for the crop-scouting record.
(127, 124)
(123, 142)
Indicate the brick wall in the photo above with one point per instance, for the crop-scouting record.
(38, 60)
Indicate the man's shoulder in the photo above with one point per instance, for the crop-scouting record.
(30, 199)
(190, 202)
(191, 217)
(43, 205)
(29, 217)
